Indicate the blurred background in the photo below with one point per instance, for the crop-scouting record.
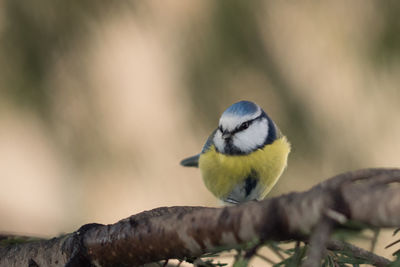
(100, 100)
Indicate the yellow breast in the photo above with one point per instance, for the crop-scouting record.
(221, 172)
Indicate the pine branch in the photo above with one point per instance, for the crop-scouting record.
(189, 232)
(358, 253)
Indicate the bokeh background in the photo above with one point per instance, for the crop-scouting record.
(100, 100)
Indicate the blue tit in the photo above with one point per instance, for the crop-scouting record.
(244, 157)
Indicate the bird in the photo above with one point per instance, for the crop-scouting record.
(244, 156)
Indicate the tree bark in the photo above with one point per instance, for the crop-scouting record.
(368, 196)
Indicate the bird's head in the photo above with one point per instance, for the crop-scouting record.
(243, 128)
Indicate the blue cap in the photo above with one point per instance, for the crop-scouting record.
(241, 108)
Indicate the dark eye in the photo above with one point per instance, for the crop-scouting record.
(220, 128)
(244, 125)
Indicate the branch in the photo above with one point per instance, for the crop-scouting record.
(186, 232)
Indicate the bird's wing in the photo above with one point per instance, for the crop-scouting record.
(209, 142)
(193, 161)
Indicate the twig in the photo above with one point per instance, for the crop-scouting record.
(318, 241)
(374, 239)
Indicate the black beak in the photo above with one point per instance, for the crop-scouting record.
(226, 135)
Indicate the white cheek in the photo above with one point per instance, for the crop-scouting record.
(252, 137)
(218, 141)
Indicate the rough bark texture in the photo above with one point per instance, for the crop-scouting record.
(367, 196)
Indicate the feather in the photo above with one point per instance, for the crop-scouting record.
(191, 161)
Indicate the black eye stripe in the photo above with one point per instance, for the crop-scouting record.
(238, 129)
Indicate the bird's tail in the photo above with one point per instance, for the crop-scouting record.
(191, 161)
